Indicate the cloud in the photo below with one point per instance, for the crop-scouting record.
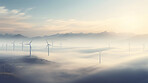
(131, 23)
(29, 9)
(130, 72)
(95, 50)
(13, 20)
(52, 26)
(14, 11)
(73, 25)
(77, 26)
(3, 10)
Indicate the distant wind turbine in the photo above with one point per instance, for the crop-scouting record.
(2, 47)
(61, 44)
(100, 56)
(30, 46)
(6, 47)
(48, 46)
(143, 47)
(129, 48)
(22, 45)
(109, 45)
(13, 43)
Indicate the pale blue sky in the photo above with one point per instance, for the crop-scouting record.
(62, 16)
(68, 9)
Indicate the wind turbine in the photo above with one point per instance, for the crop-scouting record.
(30, 46)
(6, 47)
(100, 56)
(61, 44)
(2, 47)
(48, 46)
(129, 48)
(143, 47)
(22, 45)
(13, 43)
(109, 45)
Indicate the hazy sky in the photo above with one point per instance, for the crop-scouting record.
(45, 17)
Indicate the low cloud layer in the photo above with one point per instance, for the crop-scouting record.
(130, 72)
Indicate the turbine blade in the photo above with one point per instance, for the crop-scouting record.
(46, 41)
(46, 46)
(30, 42)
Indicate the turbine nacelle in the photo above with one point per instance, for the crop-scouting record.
(29, 43)
(49, 45)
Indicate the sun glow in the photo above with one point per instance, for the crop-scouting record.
(130, 23)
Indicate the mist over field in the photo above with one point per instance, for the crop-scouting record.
(75, 58)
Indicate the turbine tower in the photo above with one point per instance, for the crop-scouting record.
(61, 44)
(2, 47)
(6, 46)
(13, 43)
(48, 46)
(109, 45)
(100, 60)
(143, 47)
(129, 48)
(30, 46)
(22, 45)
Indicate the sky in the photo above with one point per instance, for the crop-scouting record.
(47, 17)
